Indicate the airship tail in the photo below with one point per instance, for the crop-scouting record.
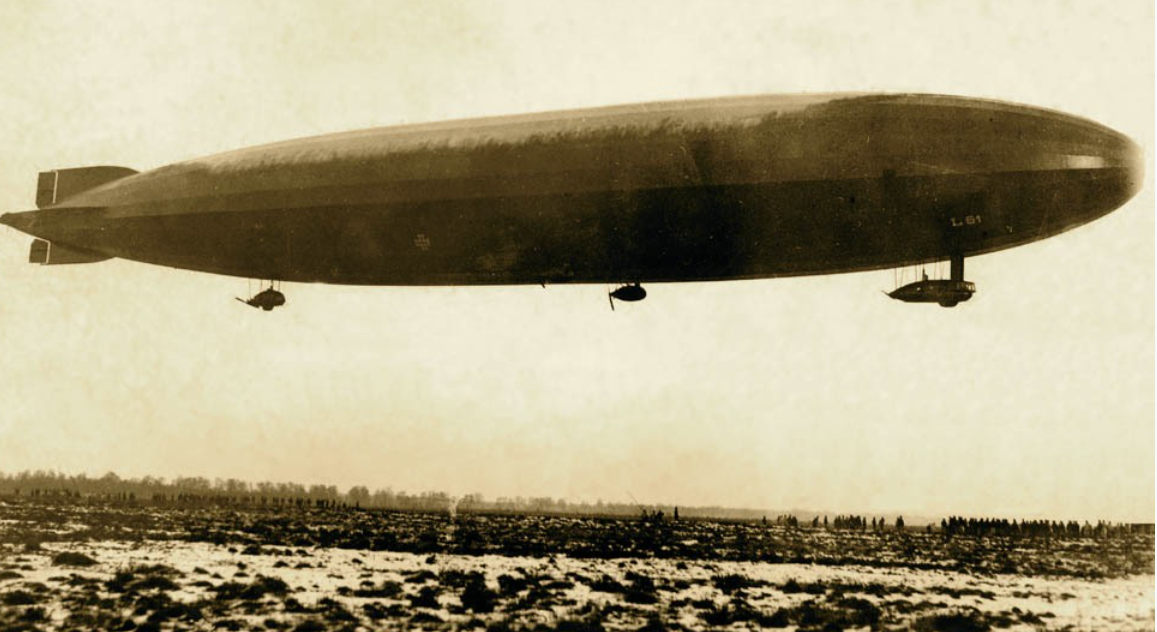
(54, 190)
(46, 248)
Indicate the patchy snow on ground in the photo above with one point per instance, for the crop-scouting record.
(198, 585)
(78, 563)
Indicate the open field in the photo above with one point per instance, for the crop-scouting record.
(83, 565)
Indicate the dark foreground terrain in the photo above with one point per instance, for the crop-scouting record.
(77, 564)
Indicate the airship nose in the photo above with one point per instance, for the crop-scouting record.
(1106, 169)
(1124, 164)
(1133, 162)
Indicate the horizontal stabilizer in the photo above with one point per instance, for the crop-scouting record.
(53, 187)
(48, 254)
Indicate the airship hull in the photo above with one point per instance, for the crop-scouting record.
(690, 191)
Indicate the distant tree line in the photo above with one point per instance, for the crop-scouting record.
(196, 490)
(200, 491)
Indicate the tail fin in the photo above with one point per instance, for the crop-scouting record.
(50, 254)
(53, 187)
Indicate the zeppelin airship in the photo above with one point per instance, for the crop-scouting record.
(702, 190)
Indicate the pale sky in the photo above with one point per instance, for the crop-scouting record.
(1035, 399)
